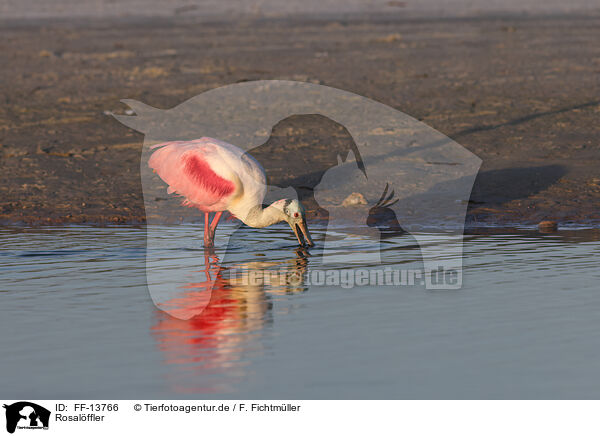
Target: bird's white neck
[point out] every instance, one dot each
(258, 217)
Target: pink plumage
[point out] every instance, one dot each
(195, 170)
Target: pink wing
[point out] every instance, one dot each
(197, 171)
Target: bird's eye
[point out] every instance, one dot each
(295, 214)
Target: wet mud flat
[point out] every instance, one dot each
(522, 93)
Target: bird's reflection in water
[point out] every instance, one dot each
(209, 352)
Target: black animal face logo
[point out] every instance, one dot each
(26, 414)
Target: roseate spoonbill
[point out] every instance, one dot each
(215, 176)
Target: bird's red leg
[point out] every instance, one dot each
(213, 225)
(207, 238)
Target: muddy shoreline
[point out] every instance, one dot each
(519, 92)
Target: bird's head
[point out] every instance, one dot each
(295, 215)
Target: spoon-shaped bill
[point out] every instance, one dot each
(302, 234)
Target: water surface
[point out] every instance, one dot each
(77, 320)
